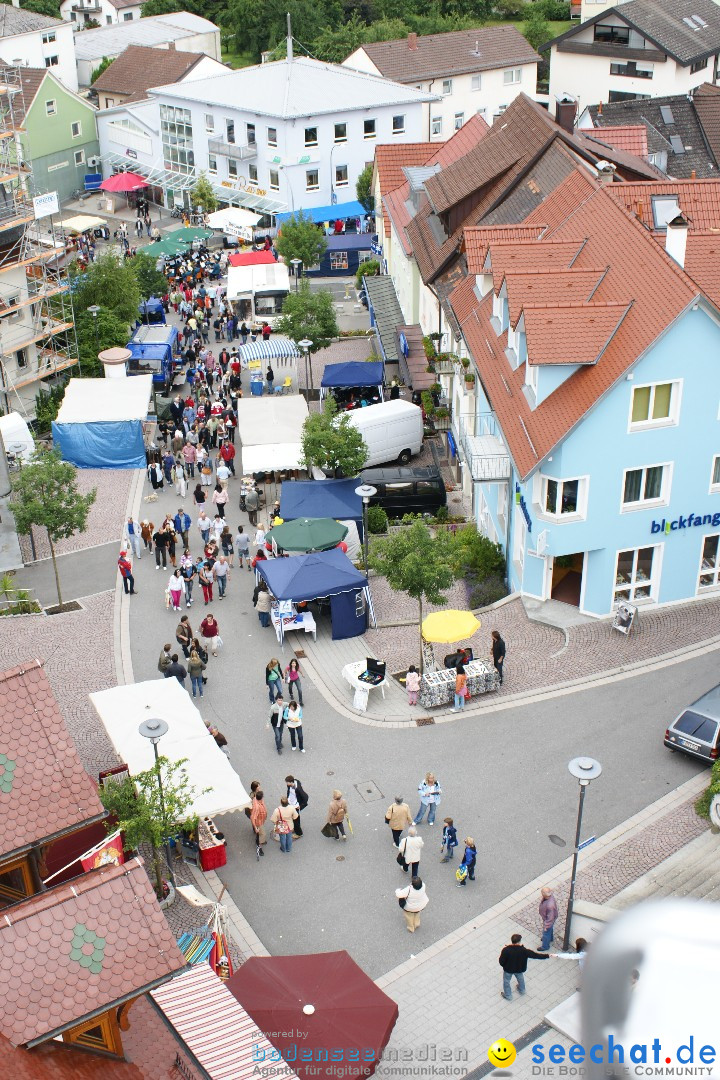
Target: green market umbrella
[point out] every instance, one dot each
(308, 534)
(178, 241)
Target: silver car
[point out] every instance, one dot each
(696, 731)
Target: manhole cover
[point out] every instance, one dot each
(369, 791)
(330, 772)
(555, 839)
(423, 721)
(339, 858)
(300, 654)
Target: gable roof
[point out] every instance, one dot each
(44, 789)
(699, 201)
(666, 120)
(155, 30)
(433, 56)
(15, 20)
(663, 22)
(629, 137)
(390, 159)
(706, 99)
(641, 294)
(140, 66)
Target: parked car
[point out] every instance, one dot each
(407, 491)
(392, 430)
(696, 731)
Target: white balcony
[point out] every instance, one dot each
(482, 447)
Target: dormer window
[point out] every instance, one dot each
(500, 313)
(531, 377)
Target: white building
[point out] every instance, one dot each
(106, 12)
(296, 133)
(472, 71)
(639, 49)
(36, 41)
(181, 31)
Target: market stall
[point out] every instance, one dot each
(354, 384)
(438, 687)
(257, 291)
(364, 676)
(100, 426)
(270, 432)
(235, 222)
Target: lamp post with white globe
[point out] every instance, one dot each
(584, 769)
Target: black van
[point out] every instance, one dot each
(406, 491)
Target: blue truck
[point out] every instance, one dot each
(155, 351)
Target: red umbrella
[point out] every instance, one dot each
(124, 181)
(328, 998)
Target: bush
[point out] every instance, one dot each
(554, 10)
(377, 520)
(488, 592)
(369, 268)
(47, 406)
(478, 557)
(511, 9)
(702, 806)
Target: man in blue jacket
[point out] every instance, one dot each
(182, 522)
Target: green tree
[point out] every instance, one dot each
(300, 238)
(109, 282)
(363, 188)
(536, 29)
(95, 334)
(47, 406)
(45, 493)
(202, 195)
(151, 281)
(162, 7)
(417, 563)
(332, 443)
(102, 66)
(51, 8)
(309, 315)
(366, 269)
(335, 43)
(138, 809)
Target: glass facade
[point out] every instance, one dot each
(176, 130)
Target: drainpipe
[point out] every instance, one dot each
(430, 112)
(507, 530)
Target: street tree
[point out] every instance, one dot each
(300, 238)
(110, 282)
(309, 315)
(363, 189)
(332, 443)
(151, 281)
(94, 334)
(102, 66)
(146, 817)
(417, 563)
(203, 196)
(45, 493)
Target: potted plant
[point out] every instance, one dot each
(469, 381)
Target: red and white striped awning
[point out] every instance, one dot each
(214, 1026)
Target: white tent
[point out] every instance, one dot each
(16, 436)
(99, 425)
(270, 430)
(81, 223)
(234, 221)
(123, 708)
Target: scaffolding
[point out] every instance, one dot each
(37, 328)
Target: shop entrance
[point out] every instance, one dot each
(567, 578)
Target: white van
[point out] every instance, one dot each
(392, 430)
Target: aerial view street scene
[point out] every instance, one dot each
(359, 539)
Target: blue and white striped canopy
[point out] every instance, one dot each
(269, 350)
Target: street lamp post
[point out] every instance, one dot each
(296, 264)
(154, 729)
(584, 769)
(306, 345)
(366, 492)
(95, 310)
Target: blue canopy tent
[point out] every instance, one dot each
(322, 498)
(354, 375)
(321, 574)
(327, 213)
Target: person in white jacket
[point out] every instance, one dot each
(176, 588)
(416, 899)
(410, 848)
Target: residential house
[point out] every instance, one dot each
(473, 71)
(639, 49)
(290, 135)
(180, 30)
(105, 12)
(37, 41)
(139, 67)
(60, 137)
(588, 333)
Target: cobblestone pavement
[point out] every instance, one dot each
(105, 520)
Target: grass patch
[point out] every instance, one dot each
(235, 59)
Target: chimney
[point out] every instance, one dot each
(412, 42)
(605, 171)
(114, 362)
(599, 109)
(171, 46)
(693, 175)
(565, 112)
(639, 213)
(676, 239)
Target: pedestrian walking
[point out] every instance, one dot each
(273, 679)
(203, 654)
(298, 798)
(283, 818)
(277, 721)
(258, 817)
(270, 379)
(413, 899)
(176, 589)
(398, 817)
(211, 632)
(195, 670)
(206, 578)
(221, 573)
(293, 719)
(165, 659)
(262, 601)
(337, 810)
(146, 532)
(171, 540)
(412, 684)
(513, 960)
(175, 669)
(204, 525)
(292, 678)
(199, 496)
(410, 849)
(220, 739)
(498, 653)
(125, 567)
(466, 869)
(220, 498)
(430, 798)
(182, 522)
(548, 911)
(189, 573)
(242, 547)
(184, 635)
(252, 503)
(449, 840)
(228, 545)
(161, 540)
(461, 690)
(131, 535)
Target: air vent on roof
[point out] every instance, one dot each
(694, 22)
(666, 113)
(677, 144)
(476, 50)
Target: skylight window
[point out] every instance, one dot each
(667, 115)
(677, 144)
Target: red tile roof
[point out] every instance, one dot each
(640, 275)
(629, 137)
(513, 256)
(564, 200)
(549, 287)
(73, 951)
(702, 262)
(477, 238)
(699, 200)
(389, 162)
(571, 333)
(462, 142)
(706, 99)
(44, 790)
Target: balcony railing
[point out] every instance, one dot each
(241, 151)
(482, 446)
(90, 8)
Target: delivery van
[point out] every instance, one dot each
(392, 430)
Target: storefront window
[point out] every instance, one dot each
(709, 569)
(634, 574)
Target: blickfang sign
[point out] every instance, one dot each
(691, 521)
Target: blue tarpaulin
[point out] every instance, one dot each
(358, 373)
(321, 498)
(108, 444)
(328, 213)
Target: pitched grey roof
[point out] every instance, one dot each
(18, 21)
(455, 53)
(157, 30)
(687, 30)
(388, 313)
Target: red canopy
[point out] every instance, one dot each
(124, 181)
(251, 258)
(327, 997)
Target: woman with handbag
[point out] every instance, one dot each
(461, 690)
(273, 679)
(412, 900)
(336, 817)
(282, 818)
(410, 848)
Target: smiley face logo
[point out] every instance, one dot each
(501, 1053)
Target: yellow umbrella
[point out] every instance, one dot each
(450, 626)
